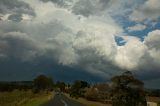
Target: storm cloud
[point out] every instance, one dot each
(77, 35)
(15, 9)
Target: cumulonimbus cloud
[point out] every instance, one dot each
(78, 36)
(15, 10)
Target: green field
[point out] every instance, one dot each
(23, 98)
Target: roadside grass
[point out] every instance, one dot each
(86, 102)
(24, 98)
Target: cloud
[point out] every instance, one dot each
(15, 9)
(60, 35)
(17, 45)
(130, 53)
(96, 48)
(147, 11)
(82, 7)
(62, 3)
(122, 8)
(90, 7)
(77, 34)
(140, 57)
(152, 42)
(137, 27)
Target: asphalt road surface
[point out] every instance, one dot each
(61, 100)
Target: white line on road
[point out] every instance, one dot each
(65, 104)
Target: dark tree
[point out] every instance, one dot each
(77, 89)
(127, 91)
(61, 86)
(42, 83)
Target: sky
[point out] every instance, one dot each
(91, 40)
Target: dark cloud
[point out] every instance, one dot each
(90, 7)
(18, 46)
(61, 3)
(57, 46)
(27, 71)
(57, 42)
(82, 7)
(16, 9)
(15, 17)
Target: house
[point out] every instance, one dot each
(152, 101)
(152, 104)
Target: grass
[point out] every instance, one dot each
(88, 103)
(23, 98)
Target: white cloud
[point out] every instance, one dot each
(153, 40)
(140, 56)
(69, 39)
(137, 27)
(150, 10)
(80, 40)
(122, 7)
(153, 43)
(128, 56)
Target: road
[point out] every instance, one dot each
(61, 100)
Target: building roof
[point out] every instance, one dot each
(153, 99)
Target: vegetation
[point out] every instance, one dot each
(77, 89)
(26, 93)
(87, 102)
(60, 86)
(23, 98)
(153, 92)
(127, 91)
(10, 86)
(42, 83)
(98, 92)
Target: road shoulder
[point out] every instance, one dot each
(86, 102)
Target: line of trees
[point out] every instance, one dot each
(10, 86)
(124, 90)
(40, 83)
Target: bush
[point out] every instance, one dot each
(91, 94)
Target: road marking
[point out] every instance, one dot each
(65, 104)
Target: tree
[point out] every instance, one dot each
(127, 91)
(98, 92)
(103, 91)
(84, 84)
(61, 86)
(42, 83)
(92, 94)
(77, 89)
